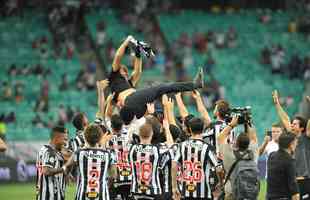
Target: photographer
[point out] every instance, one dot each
(271, 141)
(245, 148)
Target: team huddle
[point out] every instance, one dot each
(136, 148)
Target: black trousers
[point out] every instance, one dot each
(137, 101)
(123, 191)
(304, 188)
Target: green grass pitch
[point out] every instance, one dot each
(27, 191)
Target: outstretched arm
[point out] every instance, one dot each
(226, 131)
(285, 119)
(101, 85)
(201, 107)
(108, 107)
(182, 108)
(116, 65)
(137, 71)
(3, 146)
(262, 148)
(169, 108)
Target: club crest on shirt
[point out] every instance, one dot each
(92, 194)
(190, 187)
(51, 160)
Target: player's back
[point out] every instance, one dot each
(146, 161)
(195, 160)
(120, 145)
(93, 165)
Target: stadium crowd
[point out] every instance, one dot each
(138, 149)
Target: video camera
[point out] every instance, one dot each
(244, 115)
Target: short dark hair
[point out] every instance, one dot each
(243, 142)
(127, 114)
(93, 134)
(78, 121)
(196, 125)
(285, 140)
(222, 107)
(302, 122)
(116, 122)
(58, 130)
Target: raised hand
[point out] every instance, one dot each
(164, 100)
(150, 108)
(275, 97)
(195, 94)
(103, 83)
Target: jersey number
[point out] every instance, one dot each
(94, 176)
(192, 171)
(144, 171)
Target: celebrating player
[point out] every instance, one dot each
(93, 164)
(50, 170)
(193, 161)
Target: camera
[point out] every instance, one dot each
(141, 47)
(244, 115)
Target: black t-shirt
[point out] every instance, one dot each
(118, 83)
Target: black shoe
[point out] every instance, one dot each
(199, 79)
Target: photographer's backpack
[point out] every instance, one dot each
(244, 177)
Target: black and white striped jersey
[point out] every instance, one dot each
(93, 165)
(146, 162)
(77, 142)
(120, 145)
(195, 160)
(165, 173)
(209, 135)
(50, 187)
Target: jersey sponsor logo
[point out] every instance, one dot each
(191, 187)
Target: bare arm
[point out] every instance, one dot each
(175, 191)
(182, 108)
(252, 134)
(285, 119)
(169, 108)
(262, 148)
(116, 65)
(226, 131)
(3, 146)
(137, 71)
(201, 107)
(109, 107)
(101, 85)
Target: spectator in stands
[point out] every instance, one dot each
(246, 145)
(219, 40)
(62, 114)
(306, 67)
(209, 63)
(6, 91)
(231, 37)
(64, 85)
(10, 118)
(70, 113)
(277, 59)
(265, 56)
(12, 70)
(295, 67)
(19, 91)
(2, 128)
(281, 175)
(80, 80)
(101, 35)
